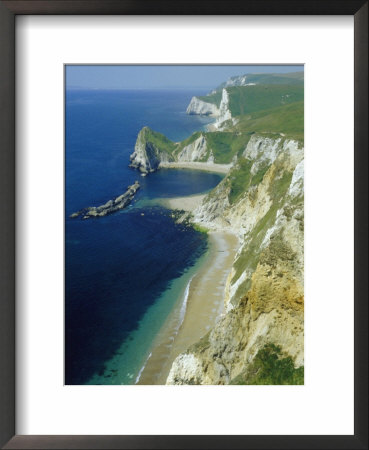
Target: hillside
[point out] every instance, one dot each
(287, 120)
(261, 200)
(293, 78)
(248, 99)
(263, 78)
(258, 136)
(225, 144)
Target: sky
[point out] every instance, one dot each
(160, 77)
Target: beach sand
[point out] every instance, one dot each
(189, 203)
(205, 302)
(204, 166)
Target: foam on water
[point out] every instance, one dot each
(184, 304)
(142, 369)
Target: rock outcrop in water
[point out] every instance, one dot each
(151, 149)
(109, 207)
(261, 200)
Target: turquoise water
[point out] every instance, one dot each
(125, 272)
(129, 360)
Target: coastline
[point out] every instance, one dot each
(196, 311)
(204, 166)
(188, 203)
(166, 293)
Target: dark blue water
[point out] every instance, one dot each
(117, 267)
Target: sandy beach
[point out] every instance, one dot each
(204, 166)
(197, 309)
(189, 203)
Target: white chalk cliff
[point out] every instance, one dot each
(147, 155)
(201, 107)
(264, 293)
(222, 114)
(194, 151)
(224, 111)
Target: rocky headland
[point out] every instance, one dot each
(151, 149)
(110, 206)
(200, 107)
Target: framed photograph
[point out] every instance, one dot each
(184, 238)
(211, 191)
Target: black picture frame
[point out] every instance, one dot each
(8, 11)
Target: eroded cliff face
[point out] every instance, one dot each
(224, 111)
(197, 106)
(194, 151)
(147, 154)
(242, 80)
(261, 200)
(154, 150)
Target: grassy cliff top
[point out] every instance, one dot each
(158, 139)
(181, 145)
(248, 99)
(215, 98)
(276, 78)
(271, 110)
(267, 78)
(263, 79)
(226, 145)
(287, 119)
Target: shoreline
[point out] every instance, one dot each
(204, 166)
(188, 203)
(196, 311)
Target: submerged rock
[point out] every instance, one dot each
(109, 207)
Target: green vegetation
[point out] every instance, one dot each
(270, 78)
(287, 119)
(250, 255)
(214, 98)
(276, 78)
(200, 345)
(239, 179)
(280, 186)
(271, 366)
(159, 140)
(258, 177)
(276, 252)
(200, 229)
(225, 145)
(269, 110)
(248, 99)
(187, 141)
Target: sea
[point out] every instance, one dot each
(124, 273)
